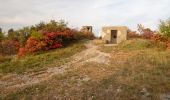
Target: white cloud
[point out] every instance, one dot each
(18, 13)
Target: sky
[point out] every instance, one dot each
(97, 13)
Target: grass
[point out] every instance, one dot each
(137, 65)
(146, 67)
(27, 93)
(39, 61)
(135, 45)
(141, 44)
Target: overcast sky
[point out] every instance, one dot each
(18, 13)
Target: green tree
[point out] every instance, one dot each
(37, 35)
(1, 35)
(40, 26)
(24, 33)
(54, 26)
(164, 27)
(12, 34)
(0, 30)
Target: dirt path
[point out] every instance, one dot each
(91, 54)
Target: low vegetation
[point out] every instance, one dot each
(34, 47)
(40, 37)
(40, 60)
(137, 70)
(136, 44)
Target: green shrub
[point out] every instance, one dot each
(164, 27)
(36, 35)
(40, 60)
(141, 44)
(1, 36)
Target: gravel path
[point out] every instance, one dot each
(91, 54)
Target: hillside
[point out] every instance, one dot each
(136, 69)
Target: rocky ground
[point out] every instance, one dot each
(91, 54)
(91, 74)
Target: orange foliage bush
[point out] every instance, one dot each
(34, 45)
(21, 52)
(147, 34)
(168, 46)
(158, 38)
(49, 41)
(133, 34)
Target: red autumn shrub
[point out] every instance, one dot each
(63, 35)
(158, 38)
(21, 52)
(57, 45)
(147, 34)
(49, 41)
(132, 34)
(168, 46)
(9, 47)
(34, 45)
(154, 36)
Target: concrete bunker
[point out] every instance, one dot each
(114, 34)
(87, 29)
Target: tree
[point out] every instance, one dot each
(146, 33)
(164, 27)
(0, 30)
(10, 31)
(11, 34)
(54, 26)
(23, 35)
(140, 28)
(40, 26)
(1, 34)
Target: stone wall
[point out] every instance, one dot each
(86, 29)
(121, 33)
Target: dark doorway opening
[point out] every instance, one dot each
(114, 36)
(88, 29)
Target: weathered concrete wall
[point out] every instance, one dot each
(121, 33)
(87, 29)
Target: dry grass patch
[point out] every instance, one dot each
(40, 61)
(141, 73)
(98, 42)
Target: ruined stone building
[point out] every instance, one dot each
(114, 34)
(87, 29)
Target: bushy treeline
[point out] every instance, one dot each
(40, 37)
(163, 35)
